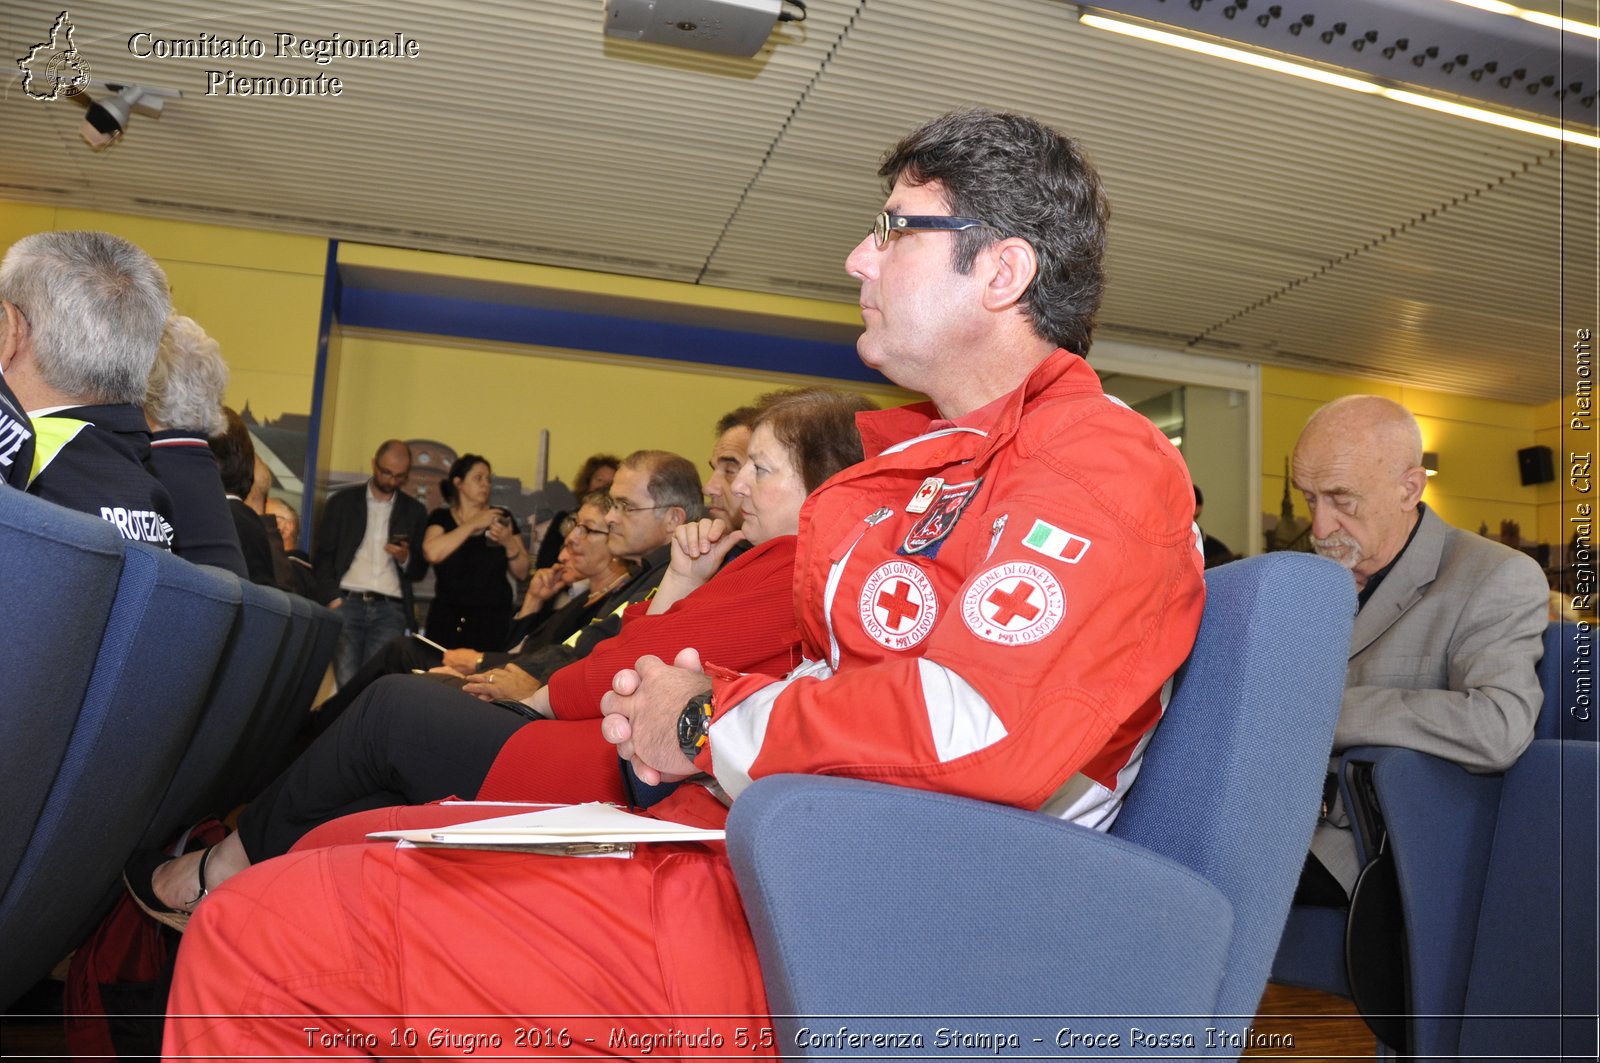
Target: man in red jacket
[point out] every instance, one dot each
(992, 604)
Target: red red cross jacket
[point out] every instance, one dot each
(992, 607)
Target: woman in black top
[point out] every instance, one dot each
(471, 546)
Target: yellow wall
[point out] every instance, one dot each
(258, 294)
(1477, 441)
(494, 400)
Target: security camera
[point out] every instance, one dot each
(729, 27)
(107, 119)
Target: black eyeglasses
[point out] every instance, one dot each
(886, 223)
(623, 506)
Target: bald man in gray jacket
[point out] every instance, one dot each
(1450, 625)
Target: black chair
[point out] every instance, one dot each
(1312, 952)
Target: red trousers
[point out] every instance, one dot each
(370, 949)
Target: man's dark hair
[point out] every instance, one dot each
(1022, 179)
(673, 480)
(235, 454)
(818, 426)
(743, 417)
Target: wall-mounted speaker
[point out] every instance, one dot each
(1536, 465)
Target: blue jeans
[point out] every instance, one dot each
(368, 626)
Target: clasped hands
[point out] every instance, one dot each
(642, 710)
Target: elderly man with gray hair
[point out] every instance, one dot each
(183, 405)
(84, 312)
(1449, 626)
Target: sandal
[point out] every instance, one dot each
(139, 877)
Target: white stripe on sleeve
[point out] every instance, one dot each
(961, 720)
(737, 734)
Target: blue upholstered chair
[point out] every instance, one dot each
(1567, 674)
(869, 900)
(239, 689)
(270, 741)
(1497, 891)
(58, 575)
(165, 634)
(1531, 989)
(1312, 953)
(268, 731)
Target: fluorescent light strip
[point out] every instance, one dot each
(1555, 22)
(1343, 81)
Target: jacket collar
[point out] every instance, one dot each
(1403, 587)
(119, 417)
(660, 557)
(1061, 371)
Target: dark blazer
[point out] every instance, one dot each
(344, 522)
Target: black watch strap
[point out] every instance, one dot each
(692, 725)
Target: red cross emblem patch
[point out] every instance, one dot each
(1013, 604)
(898, 605)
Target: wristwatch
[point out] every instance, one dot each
(692, 724)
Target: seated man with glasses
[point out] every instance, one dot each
(992, 604)
(653, 493)
(560, 600)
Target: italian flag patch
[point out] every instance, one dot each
(1052, 541)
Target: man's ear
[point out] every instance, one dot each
(1413, 481)
(14, 331)
(1013, 265)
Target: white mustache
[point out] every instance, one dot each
(1339, 548)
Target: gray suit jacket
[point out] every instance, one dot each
(1443, 660)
